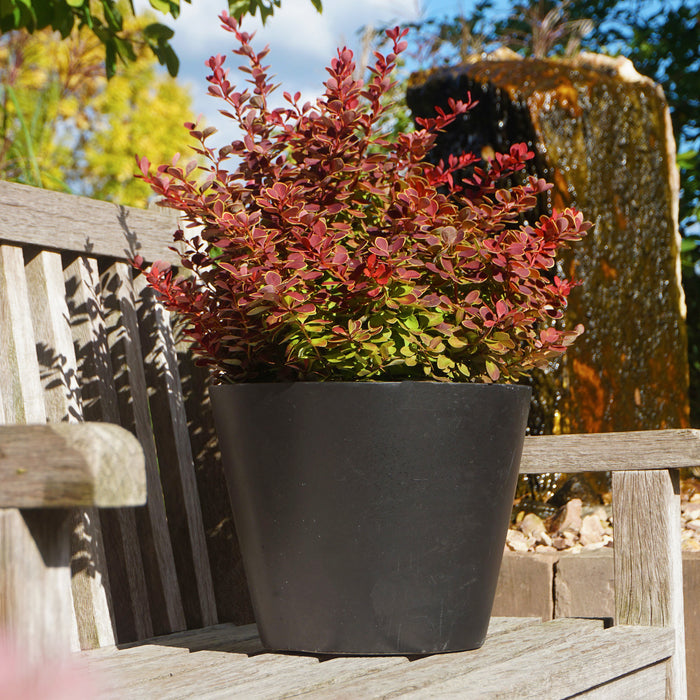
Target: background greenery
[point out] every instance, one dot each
(108, 21)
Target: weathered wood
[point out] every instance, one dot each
(70, 464)
(29, 215)
(36, 611)
(521, 658)
(647, 684)
(242, 670)
(22, 392)
(165, 601)
(648, 566)
(54, 343)
(130, 609)
(63, 402)
(560, 668)
(595, 452)
(177, 476)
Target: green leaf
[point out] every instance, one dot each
(444, 362)
(110, 58)
(124, 49)
(318, 5)
(32, 173)
(76, 3)
(159, 32)
(411, 322)
(238, 8)
(165, 7)
(167, 55)
(687, 159)
(455, 342)
(113, 16)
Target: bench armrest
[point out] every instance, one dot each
(601, 452)
(70, 464)
(646, 519)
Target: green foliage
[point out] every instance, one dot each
(333, 252)
(64, 126)
(105, 19)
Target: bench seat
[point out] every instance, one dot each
(522, 657)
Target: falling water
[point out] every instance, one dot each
(601, 135)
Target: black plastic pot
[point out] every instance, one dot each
(371, 516)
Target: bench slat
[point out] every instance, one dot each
(230, 586)
(648, 566)
(54, 342)
(126, 579)
(166, 608)
(597, 452)
(177, 474)
(520, 658)
(125, 482)
(29, 215)
(19, 368)
(557, 668)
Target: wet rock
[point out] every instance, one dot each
(576, 487)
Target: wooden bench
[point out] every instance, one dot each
(144, 590)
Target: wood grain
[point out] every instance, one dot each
(520, 658)
(22, 394)
(52, 335)
(130, 611)
(638, 450)
(63, 402)
(35, 598)
(647, 684)
(70, 464)
(176, 464)
(167, 613)
(647, 555)
(36, 610)
(29, 215)
(233, 602)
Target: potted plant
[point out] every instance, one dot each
(365, 314)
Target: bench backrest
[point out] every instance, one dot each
(83, 339)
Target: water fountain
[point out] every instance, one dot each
(601, 134)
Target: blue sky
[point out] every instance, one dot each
(302, 41)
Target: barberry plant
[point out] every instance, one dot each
(319, 249)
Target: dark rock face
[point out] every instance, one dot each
(601, 134)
